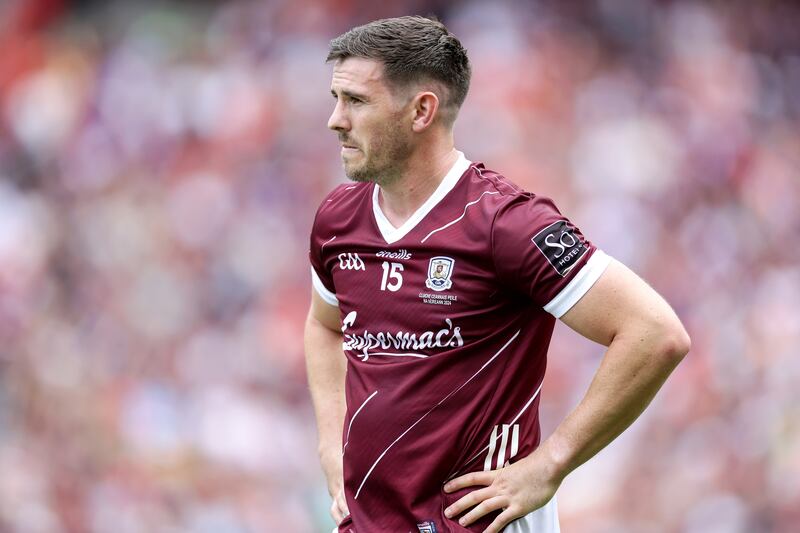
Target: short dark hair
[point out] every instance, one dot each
(411, 48)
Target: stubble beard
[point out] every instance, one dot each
(390, 153)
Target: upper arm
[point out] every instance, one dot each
(620, 303)
(324, 313)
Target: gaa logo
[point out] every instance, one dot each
(348, 261)
(559, 244)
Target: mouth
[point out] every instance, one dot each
(347, 145)
(348, 148)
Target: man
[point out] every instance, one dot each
(440, 280)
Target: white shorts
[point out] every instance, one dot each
(542, 520)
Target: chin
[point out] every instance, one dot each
(357, 173)
(358, 177)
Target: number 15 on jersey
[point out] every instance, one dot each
(392, 277)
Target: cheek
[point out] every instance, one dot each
(385, 133)
(379, 133)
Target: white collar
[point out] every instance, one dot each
(389, 232)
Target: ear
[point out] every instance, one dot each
(426, 105)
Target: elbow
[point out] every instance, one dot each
(675, 343)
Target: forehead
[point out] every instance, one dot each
(358, 74)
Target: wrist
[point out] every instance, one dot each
(558, 454)
(330, 452)
(331, 461)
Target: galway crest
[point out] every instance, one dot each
(440, 269)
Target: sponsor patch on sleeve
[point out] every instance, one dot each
(560, 245)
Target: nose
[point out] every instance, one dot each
(338, 120)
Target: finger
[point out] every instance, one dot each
(342, 504)
(339, 509)
(336, 514)
(482, 509)
(470, 480)
(502, 520)
(470, 500)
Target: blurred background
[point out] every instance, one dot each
(160, 165)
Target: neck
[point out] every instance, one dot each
(425, 171)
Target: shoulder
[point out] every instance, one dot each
(499, 196)
(343, 196)
(344, 200)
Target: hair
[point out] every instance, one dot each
(412, 49)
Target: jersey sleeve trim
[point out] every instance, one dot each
(323, 292)
(575, 289)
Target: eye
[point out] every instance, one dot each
(349, 99)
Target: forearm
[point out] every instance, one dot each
(633, 370)
(645, 342)
(326, 366)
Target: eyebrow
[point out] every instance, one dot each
(350, 94)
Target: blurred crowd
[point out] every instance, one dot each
(160, 165)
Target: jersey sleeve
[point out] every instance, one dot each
(540, 253)
(321, 277)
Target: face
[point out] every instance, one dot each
(368, 119)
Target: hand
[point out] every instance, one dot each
(331, 459)
(517, 489)
(339, 508)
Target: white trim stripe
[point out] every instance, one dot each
(403, 434)
(509, 438)
(514, 421)
(350, 425)
(393, 354)
(580, 284)
(487, 464)
(514, 441)
(327, 242)
(528, 404)
(324, 293)
(473, 202)
(501, 457)
(390, 233)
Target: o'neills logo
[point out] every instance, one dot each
(405, 343)
(400, 254)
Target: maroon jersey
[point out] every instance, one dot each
(446, 323)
